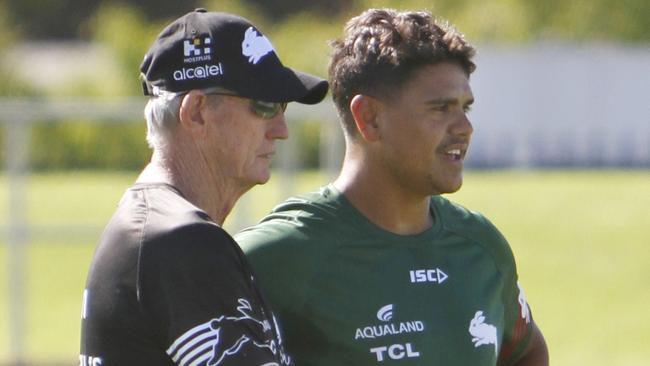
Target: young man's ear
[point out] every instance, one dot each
(364, 111)
(190, 115)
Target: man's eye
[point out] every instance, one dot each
(467, 108)
(441, 108)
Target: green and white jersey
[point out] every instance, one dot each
(350, 293)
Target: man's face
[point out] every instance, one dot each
(243, 141)
(426, 131)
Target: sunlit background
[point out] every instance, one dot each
(560, 159)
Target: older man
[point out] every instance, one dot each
(167, 285)
(377, 267)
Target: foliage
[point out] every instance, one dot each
(6, 34)
(83, 145)
(626, 20)
(10, 85)
(66, 19)
(245, 9)
(127, 33)
(299, 31)
(302, 41)
(529, 20)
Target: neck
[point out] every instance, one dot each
(383, 201)
(202, 186)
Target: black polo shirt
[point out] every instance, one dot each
(168, 286)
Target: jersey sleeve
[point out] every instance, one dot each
(201, 302)
(518, 318)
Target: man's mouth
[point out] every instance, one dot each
(455, 153)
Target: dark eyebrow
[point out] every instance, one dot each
(448, 101)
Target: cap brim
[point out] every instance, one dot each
(314, 88)
(290, 85)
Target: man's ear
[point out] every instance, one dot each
(364, 111)
(190, 115)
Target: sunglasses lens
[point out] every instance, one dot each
(267, 110)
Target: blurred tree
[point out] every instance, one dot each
(626, 20)
(242, 8)
(83, 145)
(302, 41)
(10, 85)
(529, 20)
(493, 21)
(498, 20)
(279, 9)
(50, 19)
(65, 19)
(6, 32)
(128, 35)
(300, 32)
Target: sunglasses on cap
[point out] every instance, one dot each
(266, 110)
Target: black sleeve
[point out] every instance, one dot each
(200, 300)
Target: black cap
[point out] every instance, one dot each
(205, 49)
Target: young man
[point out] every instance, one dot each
(167, 285)
(378, 268)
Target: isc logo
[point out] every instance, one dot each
(395, 352)
(428, 275)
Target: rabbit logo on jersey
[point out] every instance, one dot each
(216, 340)
(523, 304)
(483, 334)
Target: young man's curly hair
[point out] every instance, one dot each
(380, 50)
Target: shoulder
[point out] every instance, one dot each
(173, 229)
(475, 227)
(299, 233)
(296, 221)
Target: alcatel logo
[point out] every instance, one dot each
(199, 72)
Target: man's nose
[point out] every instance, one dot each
(462, 126)
(278, 129)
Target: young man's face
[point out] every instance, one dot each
(426, 131)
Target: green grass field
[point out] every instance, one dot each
(581, 240)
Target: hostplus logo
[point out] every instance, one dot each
(387, 328)
(197, 49)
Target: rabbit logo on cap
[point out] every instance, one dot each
(255, 46)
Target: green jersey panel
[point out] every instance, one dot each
(350, 293)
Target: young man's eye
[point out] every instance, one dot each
(441, 108)
(467, 108)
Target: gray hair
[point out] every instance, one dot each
(161, 114)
